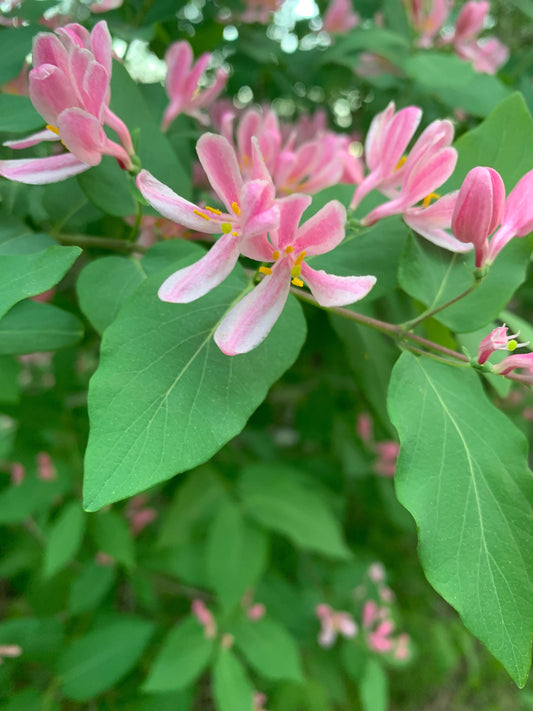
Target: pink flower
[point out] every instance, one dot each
(517, 218)
(365, 428)
(520, 360)
(9, 650)
(256, 612)
(478, 210)
(376, 572)
(486, 55)
(105, 5)
(497, 340)
(385, 464)
(259, 10)
(428, 18)
(433, 220)
(340, 17)
(138, 514)
(69, 87)
(45, 467)
(182, 84)
(250, 321)
(204, 617)
(333, 623)
(18, 473)
(251, 212)
(470, 20)
(259, 701)
(401, 648)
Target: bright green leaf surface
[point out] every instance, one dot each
(281, 499)
(165, 398)
(31, 274)
(236, 555)
(96, 662)
(64, 539)
(269, 648)
(463, 475)
(374, 687)
(31, 327)
(232, 690)
(112, 536)
(18, 115)
(108, 187)
(16, 44)
(182, 658)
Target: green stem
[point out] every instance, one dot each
(119, 245)
(408, 325)
(135, 229)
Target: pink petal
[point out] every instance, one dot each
(101, 44)
(322, 232)
(32, 140)
(179, 58)
(48, 49)
(194, 76)
(38, 171)
(428, 174)
(250, 321)
(259, 212)
(82, 134)
(51, 92)
(399, 133)
(219, 161)
(433, 221)
(291, 210)
(174, 207)
(192, 282)
(518, 209)
(95, 88)
(330, 290)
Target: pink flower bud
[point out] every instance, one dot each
(18, 472)
(204, 617)
(497, 340)
(376, 572)
(257, 611)
(45, 467)
(364, 427)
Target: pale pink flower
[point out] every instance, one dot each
(498, 340)
(259, 701)
(334, 623)
(428, 18)
(386, 594)
(340, 17)
(523, 361)
(256, 612)
(70, 88)
(251, 212)
(433, 220)
(401, 648)
(138, 514)
(486, 55)
(259, 10)
(517, 217)
(204, 617)
(385, 463)
(18, 473)
(376, 572)
(379, 640)
(250, 321)
(470, 20)
(365, 428)
(45, 467)
(183, 84)
(9, 651)
(105, 5)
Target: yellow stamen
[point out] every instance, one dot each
(400, 162)
(235, 234)
(213, 210)
(512, 345)
(296, 270)
(201, 214)
(53, 129)
(297, 282)
(300, 258)
(427, 200)
(226, 227)
(289, 249)
(265, 270)
(236, 209)
(275, 255)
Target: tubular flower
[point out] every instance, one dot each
(333, 623)
(498, 340)
(428, 18)
(250, 321)
(517, 218)
(434, 221)
(339, 17)
(478, 210)
(250, 212)
(519, 360)
(182, 84)
(69, 87)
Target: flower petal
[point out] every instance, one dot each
(219, 161)
(82, 134)
(433, 221)
(322, 232)
(39, 171)
(32, 140)
(331, 290)
(291, 211)
(190, 283)
(250, 321)
(259, 211)
(51, 92)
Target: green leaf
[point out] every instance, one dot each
(90, 587)
(434, 276)
(23, 275)
(112, 536)
(38, 637)
(104, 285)
(236, 555)
(164, 398)
(463, 475)
(182, 658)
(64, 539)
(96, 662)
(9, 385)
(232, 690)
(269, 648)
(108, 187)
(29, 497)
(16, 45)
(283, 500)
(18, 115)
(31, 327)
(374, 687)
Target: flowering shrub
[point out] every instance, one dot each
(264, 356)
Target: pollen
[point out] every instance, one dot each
(296, 270)
(265, 270)
(289, 249)
(300, 258)
(235, 234)
(400, 162)
(201, 214)
(427, 200)
(275, 255)
(297, 282)
(226, 227)
(213, 210)
(512, 345)
(53, 129)
(236, 209)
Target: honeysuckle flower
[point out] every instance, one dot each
(204, 617)
(46, 470)
(428, 18)
(486, 55)
(9, 651)
(138, 514)
(470, 20)
(523, 361)
(517, 218)
(385, 463)
(259, 10)
(434, 221)
(252, 318)
(251, 212)
(401, 648)
(340, 17)
(498, 340)
(259, 701)
(478, 210)
(69, 87)
(105, 5)
(376, 572)
(182, 84)
(388, 137)
(18, 473)
(334, 623)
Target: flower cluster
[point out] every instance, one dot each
(499, 340)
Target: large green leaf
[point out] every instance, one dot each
(96, 662)
(90, 587)
(16, 45)
(232, 689)
(182, 658)
(31, 327)
(165, 398)
(434, 276)
(374, 687)
(23, 275)
(463, 475)
(64, 539)
(108, 187)
(282, 499)
(112, 535)
(18, 115)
